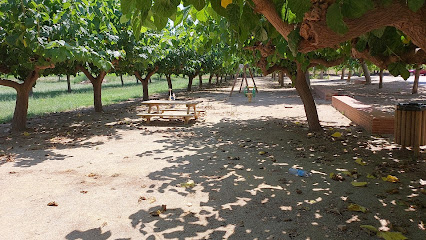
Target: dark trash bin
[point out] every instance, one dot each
(410, 125)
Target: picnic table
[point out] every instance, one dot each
(164, 110)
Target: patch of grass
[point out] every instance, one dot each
(50, 94)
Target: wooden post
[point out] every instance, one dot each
(402, 126)
(423, 129)
(417, 133)
(407, 141)
(397, 124)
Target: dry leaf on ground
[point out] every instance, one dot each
(359, 184)
(54, 204)
(390, 178)
(356, 208)
(336, 134)
(360, 162)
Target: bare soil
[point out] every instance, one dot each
(83, 175)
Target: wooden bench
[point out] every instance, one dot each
(366, 116)
(324, 92)
(197, 113)
(185, 116)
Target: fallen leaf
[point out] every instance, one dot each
(390, 178)
(371, 176)
(159, 211)
(369, 228)
(262, 152)
(356, 208)
(393, 191)
(391, 235)
(54, 204)
(360, 162)
(26, 134)
(347, 173)
(141, 199)
(189, 184)
(359, 184)
(152, 200)
(336, 134)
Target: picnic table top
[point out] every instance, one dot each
(151, 102)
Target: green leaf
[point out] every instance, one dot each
(415, 5)
(299, 7)
(391, 235)
(216, 5)
(293, 41)
(399, 68)
(127, 6)
(379, 32)
(198, 4)
(369, 228)
(361, 45)
(334, 19)
(233, 14)
(160, 22)
(143, 5)
(356, 8)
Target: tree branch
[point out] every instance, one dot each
(86, 72)
(316, 61)
(149, 75)
(316, 34)
(267, 8)
(9, 83)
(38, 68)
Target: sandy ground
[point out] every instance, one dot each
(109, 173)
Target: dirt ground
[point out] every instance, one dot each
(224, 176)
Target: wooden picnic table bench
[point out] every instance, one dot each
(186, 114)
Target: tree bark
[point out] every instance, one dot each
(200, 77)
(217, 79)
(343, 74)
(308, 79)
(19, 121)
(416, 80)
(188, 89)
(349, 76)
(68, 83)
(169, 81)
(121, 78)
(307, 99)
(210, 79)
(381, 78)
(97, 91)
(281, 78)
(321, 76)
(366, 73)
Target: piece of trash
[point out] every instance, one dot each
(299, 172)
(159, 211)
(359, 184)
(390, 178)
(54, 204)
(356, 208)
(336, 134)
(337, 177)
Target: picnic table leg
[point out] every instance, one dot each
(149, 109)
(186, 119)
(158, 108)
(195, 112)
(148, 119)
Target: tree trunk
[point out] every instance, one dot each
(188, 89)
(200, 77)
(381, 78)
(349, 76)
(137, 80)
(68, 83)
(343, 74)
(321, 76)
(281, 78)
(307, 99)
(121, 78)
(210, 79)
(416, 80)
(221, 78)
(308, 79)
(19, 121)
(97, 93)
(145, 95)
(169, 81)
(366, 73)
(217, 79)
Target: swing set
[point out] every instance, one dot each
(249, 91)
